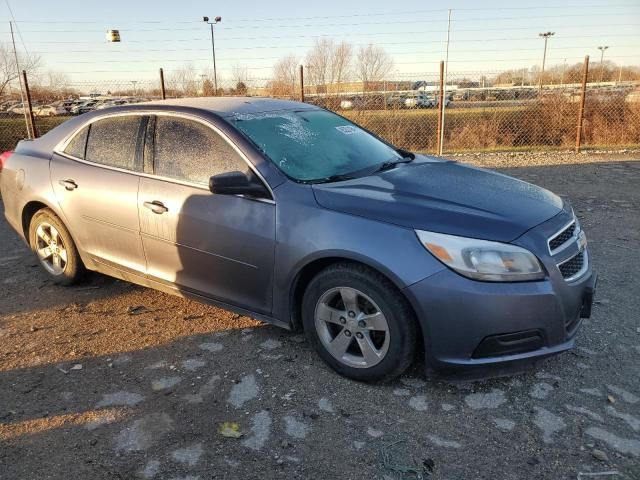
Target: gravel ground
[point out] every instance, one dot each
(108, 380)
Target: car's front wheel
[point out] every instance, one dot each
(359, 323)
(51, 242)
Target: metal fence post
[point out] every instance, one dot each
(162, 92)
(440, 106)
(583, 95)
(301, 83)
(33, 133)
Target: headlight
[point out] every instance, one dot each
(481, 259)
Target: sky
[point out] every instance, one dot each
(488, 36)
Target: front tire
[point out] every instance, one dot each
(57, 253)
(359, 323)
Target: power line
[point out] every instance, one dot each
(483, 29)
(17, 29)
(502, 39)
(582, 7)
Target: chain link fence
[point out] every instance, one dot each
(482, 111)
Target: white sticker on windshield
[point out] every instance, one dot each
(347, 129)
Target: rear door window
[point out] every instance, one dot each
(112, 141)
(78, 143)
(191, 151)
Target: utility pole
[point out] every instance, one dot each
(546, 36)
(444, 86)
(213, 50)
(602, 49)
(15, 53)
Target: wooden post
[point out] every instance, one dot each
(162, 92)
(583, 95)
(440, 107)
(33, 133)
(301, 83)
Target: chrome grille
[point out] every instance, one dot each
(572, 267)
(562, 237)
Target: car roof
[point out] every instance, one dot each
(227, 106)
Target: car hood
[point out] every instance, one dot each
(444, 196)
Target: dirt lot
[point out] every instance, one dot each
(107, 380)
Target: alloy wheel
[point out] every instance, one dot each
(50, 249)
(352, 327)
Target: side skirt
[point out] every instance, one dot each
(143, 281)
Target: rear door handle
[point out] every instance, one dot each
(68, 184)
(156, 207)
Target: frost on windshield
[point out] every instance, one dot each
(312, 144)
(294, 126)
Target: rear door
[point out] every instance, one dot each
(95, 179)
(218, 246)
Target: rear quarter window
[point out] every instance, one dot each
(112, 141)
(78, 144)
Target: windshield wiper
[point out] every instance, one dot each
(334, 178)
(392, 164)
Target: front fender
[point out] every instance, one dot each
(306, 233)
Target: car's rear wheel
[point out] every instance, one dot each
(57, 253)
(359, 323)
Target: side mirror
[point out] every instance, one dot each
(238, 183)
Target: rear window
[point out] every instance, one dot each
(77, 145)
(112, 142)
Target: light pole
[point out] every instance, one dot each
(213, 50)
(602, 49)
(546, 36)
(133, 82)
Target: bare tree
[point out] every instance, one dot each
(285, 76)
(8, 68)
(319, 62)
(50, 85)
(240, 78)
(184, 80)
(373, 64)
(341, 62)
(328, 62)
(240, 74)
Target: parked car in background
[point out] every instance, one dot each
(347, 104)
(49, 111)
(112, 103)
(395, 100)
(19, 108)
(67, 105)
(419, 99)
(296, 216)
(8, 104)
(85, 107)
(633, 96)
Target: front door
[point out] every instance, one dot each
(218, 246)
(96, 181)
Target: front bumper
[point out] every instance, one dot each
(469, 324)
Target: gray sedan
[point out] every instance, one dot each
(296, 216)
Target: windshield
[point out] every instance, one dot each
(314, 145)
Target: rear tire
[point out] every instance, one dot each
(359, 323)
(54, 248)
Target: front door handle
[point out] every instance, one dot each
(68, 184)
(156, 207)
